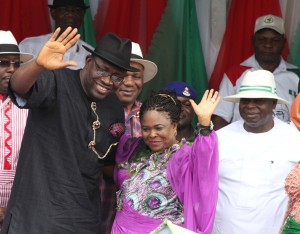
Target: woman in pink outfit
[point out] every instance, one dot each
(295, 112)
(160, 178)
(291, 223)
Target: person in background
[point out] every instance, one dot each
(291, 223)
(132, 86)
(128, 93)
(12, 119)
(65, 13)
(74, 124)
(295, 112)
(295, 109)
(161, 178)
(184, 93)
(268, 43)
(256, 154)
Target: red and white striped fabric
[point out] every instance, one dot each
(12, 125)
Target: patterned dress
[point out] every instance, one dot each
(179, 184)
(148, 190)
(292, 185)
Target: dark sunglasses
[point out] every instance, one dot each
(6, 63)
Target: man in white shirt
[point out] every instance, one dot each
(268, 43)
(256, 154)
(64, 13)
(12, 119)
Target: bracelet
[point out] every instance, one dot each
(204, 130)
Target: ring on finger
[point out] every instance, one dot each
(213, 100)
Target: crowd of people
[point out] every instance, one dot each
(80, 153)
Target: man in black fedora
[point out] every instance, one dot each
(65, 13)
(74, 124)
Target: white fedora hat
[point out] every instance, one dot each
(150, 68)
(9, 45)
(257, 84)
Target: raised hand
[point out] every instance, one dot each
(51, 55)
(206, 107)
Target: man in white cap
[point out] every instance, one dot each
(128, 93)
(12, 119)
(256, 154)
(268, 43)
(65, 13)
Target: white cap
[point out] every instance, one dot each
(269, 21)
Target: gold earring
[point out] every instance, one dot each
(175, 133)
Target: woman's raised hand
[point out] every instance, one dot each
(206, 107)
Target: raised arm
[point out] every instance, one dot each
(51, 57)
(193, 171)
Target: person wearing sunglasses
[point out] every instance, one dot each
(12, 119)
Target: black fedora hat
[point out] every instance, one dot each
(114, 50)
(59, 3)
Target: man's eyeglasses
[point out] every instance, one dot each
(113, 77)
(6, 63)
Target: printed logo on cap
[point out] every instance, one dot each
(186, 91)
(269, 20)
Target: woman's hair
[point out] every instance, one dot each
(164, 101)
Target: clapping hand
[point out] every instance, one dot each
(206, 107)
(51, 55)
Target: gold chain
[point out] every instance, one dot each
(96, 125)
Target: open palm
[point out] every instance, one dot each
(206, 107)
(51, 56)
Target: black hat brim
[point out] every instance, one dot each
(59, 5)
(111, 60)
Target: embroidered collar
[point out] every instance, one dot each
(151, 161)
